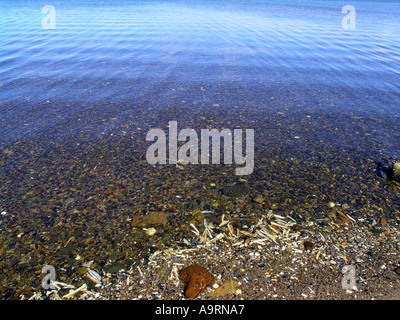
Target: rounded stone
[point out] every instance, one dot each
(396, 170)
(236, 191)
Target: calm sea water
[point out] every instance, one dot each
(266, 55)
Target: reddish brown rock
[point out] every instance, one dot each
(196, 278)
(308, 245)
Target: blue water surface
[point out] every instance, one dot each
(288, 55)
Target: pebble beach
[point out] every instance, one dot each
(284, 232)
(85, 216)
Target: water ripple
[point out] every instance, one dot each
(98, 52)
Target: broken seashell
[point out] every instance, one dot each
(94, 276)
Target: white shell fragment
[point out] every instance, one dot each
(94, 276)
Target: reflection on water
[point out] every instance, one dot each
(144, 51)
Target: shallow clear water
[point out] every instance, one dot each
(78, 100)
(264, 55)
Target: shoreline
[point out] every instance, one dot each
(280, 270)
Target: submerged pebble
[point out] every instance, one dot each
(236, 191)
(228, 287)
(396, 171)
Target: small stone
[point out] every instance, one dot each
(151, 231)
(377, 230)
(308, 245)
(81, 271)
(28, 290)
(396, 170)
(345, 206)
(153, 219)
(236, 191)
(113, 268)
(228, 287)
(196, 278)
(259, 199)
(331, 204)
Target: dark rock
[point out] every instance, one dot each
(236, 191)
(68, 250)
(308, 245)
(113, 267)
